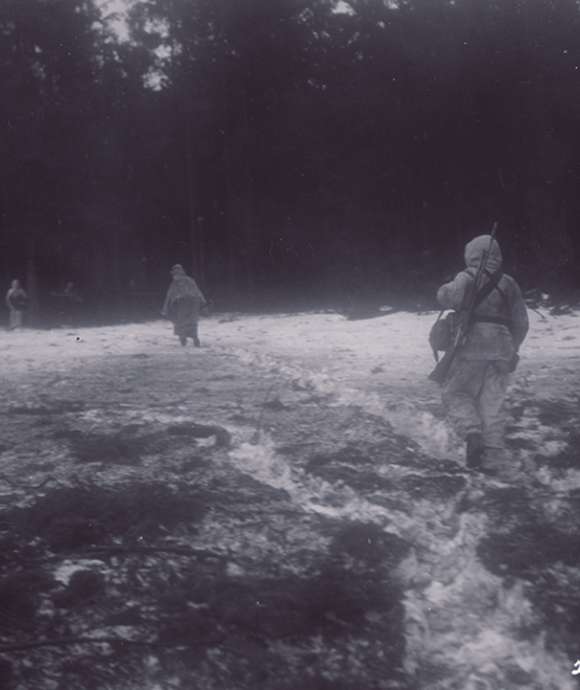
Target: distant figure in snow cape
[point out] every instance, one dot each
(475, 389)
(16, 301)
(182, 305)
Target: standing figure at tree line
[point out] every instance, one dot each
(474, 391)
(16, 301)
(182, 305)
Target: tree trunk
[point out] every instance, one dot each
(195, 236)
(31, 279)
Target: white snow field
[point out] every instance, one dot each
(380, 364)
(459, 616)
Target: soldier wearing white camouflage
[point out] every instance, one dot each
(475, 389)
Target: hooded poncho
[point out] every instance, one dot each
(488, 341)
(16, 298)
(182, 286)
(475, 250)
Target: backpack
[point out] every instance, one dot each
(442, 333)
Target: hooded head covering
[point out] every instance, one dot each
(182, 285)
(177, 270)
(475, 250)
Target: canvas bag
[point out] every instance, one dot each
(443, 331)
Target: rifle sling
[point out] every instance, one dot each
(492, 284)
(486, 290)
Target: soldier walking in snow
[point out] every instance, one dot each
(182, 305)
(475, 388)
(16, 301)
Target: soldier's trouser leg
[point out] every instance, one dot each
(15, 319)
(491, 406)
(461, 396)
(474, 397)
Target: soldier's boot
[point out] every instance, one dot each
(183, 340)
(497, 464)
(474, 450)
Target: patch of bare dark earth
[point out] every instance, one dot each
(149, 558)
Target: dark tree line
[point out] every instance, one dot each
(287, 149)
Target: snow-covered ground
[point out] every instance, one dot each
(381, 364)
(390, 350)
(473, 625)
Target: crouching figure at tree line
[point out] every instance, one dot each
(183, 304)
(494, 326)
